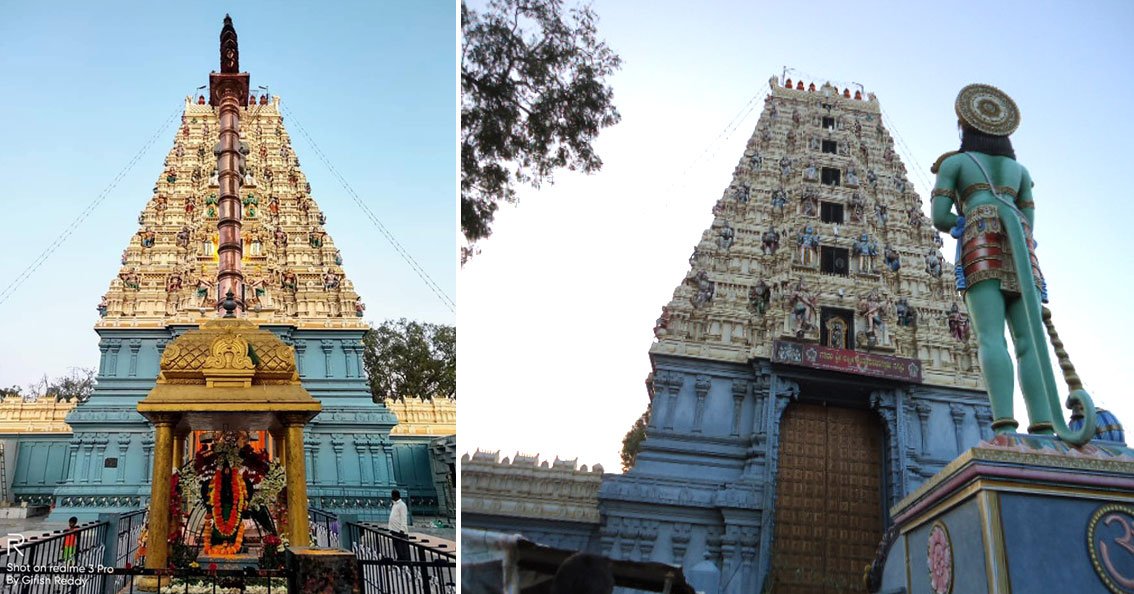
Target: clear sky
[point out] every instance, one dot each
(86, 84)
(558, 309)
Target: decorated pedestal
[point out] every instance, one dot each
(1017, 514)
(331, 571)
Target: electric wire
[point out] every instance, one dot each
(70, 229)
(409, 259)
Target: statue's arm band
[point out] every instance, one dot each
(950, 194)
(1022, 204)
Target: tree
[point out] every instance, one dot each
(407, 359)
(77, 385)
(632, 443)
(533, 99)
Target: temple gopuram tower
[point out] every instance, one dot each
(813, 367)
(287, 277)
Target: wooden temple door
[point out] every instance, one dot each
(828, 518)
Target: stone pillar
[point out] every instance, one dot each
(296, 472)
(957, 411)
(679, 542)
(179, 449)
(674, 386)
(701, 387)
(923, 411)
(157, 551)
(363, 466)
(739, 391)
(123, 445)
(328, 347)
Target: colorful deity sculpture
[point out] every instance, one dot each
(808, 242)
(997, 267)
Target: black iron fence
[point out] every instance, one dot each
(393, 563)
(65, 580)
(324, 528)
(103, 557)
(67, 553)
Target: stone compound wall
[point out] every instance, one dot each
(553, 504)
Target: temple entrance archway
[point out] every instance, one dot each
(828, 518)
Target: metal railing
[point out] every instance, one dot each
(66, 555)
(128, 531)
(58, 579)
(324, 529)
(393, 563)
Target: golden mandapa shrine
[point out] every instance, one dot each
(229, 373)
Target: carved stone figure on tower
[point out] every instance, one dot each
(758, 297)
(915, 217)
(958, 324)
(705, 289)
(770, 241)
(811, 173)
(906, 314)
(852, 176)
(933, 264)
(662, 323)
(809, 203)
(871, 308)
(803, 307)
(892, 259)
(727, 236)
(130, 279)
(808, 246)
(330, 280)
(858, 207)
(785, 166)
(779, 199)
(756, 161)
(866, 249)
(288, 281)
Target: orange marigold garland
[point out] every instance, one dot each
(222, 549)
(226, 526)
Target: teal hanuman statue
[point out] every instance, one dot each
(997, 269)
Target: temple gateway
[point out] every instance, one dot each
(232, 212)
(814, 367)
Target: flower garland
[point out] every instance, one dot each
(227, 526)
(222, 549)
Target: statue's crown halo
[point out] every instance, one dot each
(987, 109)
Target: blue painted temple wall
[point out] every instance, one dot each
(352, 463)
(704, 482)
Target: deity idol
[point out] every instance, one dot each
(997, 267)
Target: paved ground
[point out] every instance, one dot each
(28, 526)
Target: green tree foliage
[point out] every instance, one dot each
(11, 391)
(632, 443)
(78, 385)
(407, 359)
(533, 99)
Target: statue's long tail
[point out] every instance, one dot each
(1021, 257)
